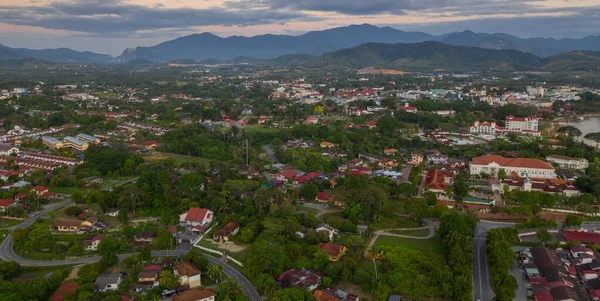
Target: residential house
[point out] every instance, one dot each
(66, 225)
(323, 197)
(334, 251)
(390, 151)
(146, 281)
(91, 243)
(407, 108)
(196, 294)
(301, 279)
(436, 181)
(514, 181)
(230, 229)
(436, 158)
(326, 144)
(7, 149)
(144, 237)
(113, 212)
(5, 203)
(311, 120)
(416, 157)
(42, 192)
(371, 124)
(331, 231)
(196, 218)
(108, 282)
(188, 274)
(66, 290)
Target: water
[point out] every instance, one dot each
(589, 125)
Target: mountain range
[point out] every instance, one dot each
(428, 56)
(206, 46)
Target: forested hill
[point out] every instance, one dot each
(426, 56)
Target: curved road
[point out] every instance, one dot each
(431, 233)
(482, 288)
(7, 253)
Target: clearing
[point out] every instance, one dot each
(432, 244)
(158, 156)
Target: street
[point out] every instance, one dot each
(482, 288)
(247, 287)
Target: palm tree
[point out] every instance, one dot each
(219, 272)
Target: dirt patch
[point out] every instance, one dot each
(232, 247)
(354, 289)
(74, 272)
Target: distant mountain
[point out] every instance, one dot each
(425, 56)
(205, 46)
(59, 55)
(584, 61)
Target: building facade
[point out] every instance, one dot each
(492, 164)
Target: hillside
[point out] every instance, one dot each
(573, 61)
(59, 55)
(426, 56)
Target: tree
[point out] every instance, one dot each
(326, 282)
(309, 191)
(460, 188)
(321, 260)
(168, 280)
(265, 257)
(572, 221)
(543, 235)
(417, 208)
(502, 174)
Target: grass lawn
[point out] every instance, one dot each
(158, 156)
(415, 244)
(307, 209)
(3, 235)
(5, 222)
(241, 255)
(419, 232)
(397, 221)
(343, 238)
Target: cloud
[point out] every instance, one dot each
(576, 23)
(398, 7)
(114, 18)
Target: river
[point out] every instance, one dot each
(588, 125)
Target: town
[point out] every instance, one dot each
(227, 182)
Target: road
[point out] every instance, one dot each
(110, 188)
(247, 287)
(482, 288)
(377, 233)
(270, 153)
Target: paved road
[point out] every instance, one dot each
(377, 233)
(110, 188)
(247, 287)
(482, 288)
(270, 153)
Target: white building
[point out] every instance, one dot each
(196, 217)
(535, 91)
(331, 231)
(568, 163)
(7, 149)
(484, 128)
(525, 125)
(492, 164)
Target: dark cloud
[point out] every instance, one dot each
(374, 7)
(113, 17)
(579, 23)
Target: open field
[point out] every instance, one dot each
(158, 156)
(416, 232)
(5, 222)
(415, 244)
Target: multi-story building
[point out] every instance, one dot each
(568, 162)
(87, 138)
(52, 142)
(524, 125)
(492, 164)
(75, 143)
(484, 128)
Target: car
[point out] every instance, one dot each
(301, 203)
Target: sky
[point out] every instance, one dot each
(110, 26)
